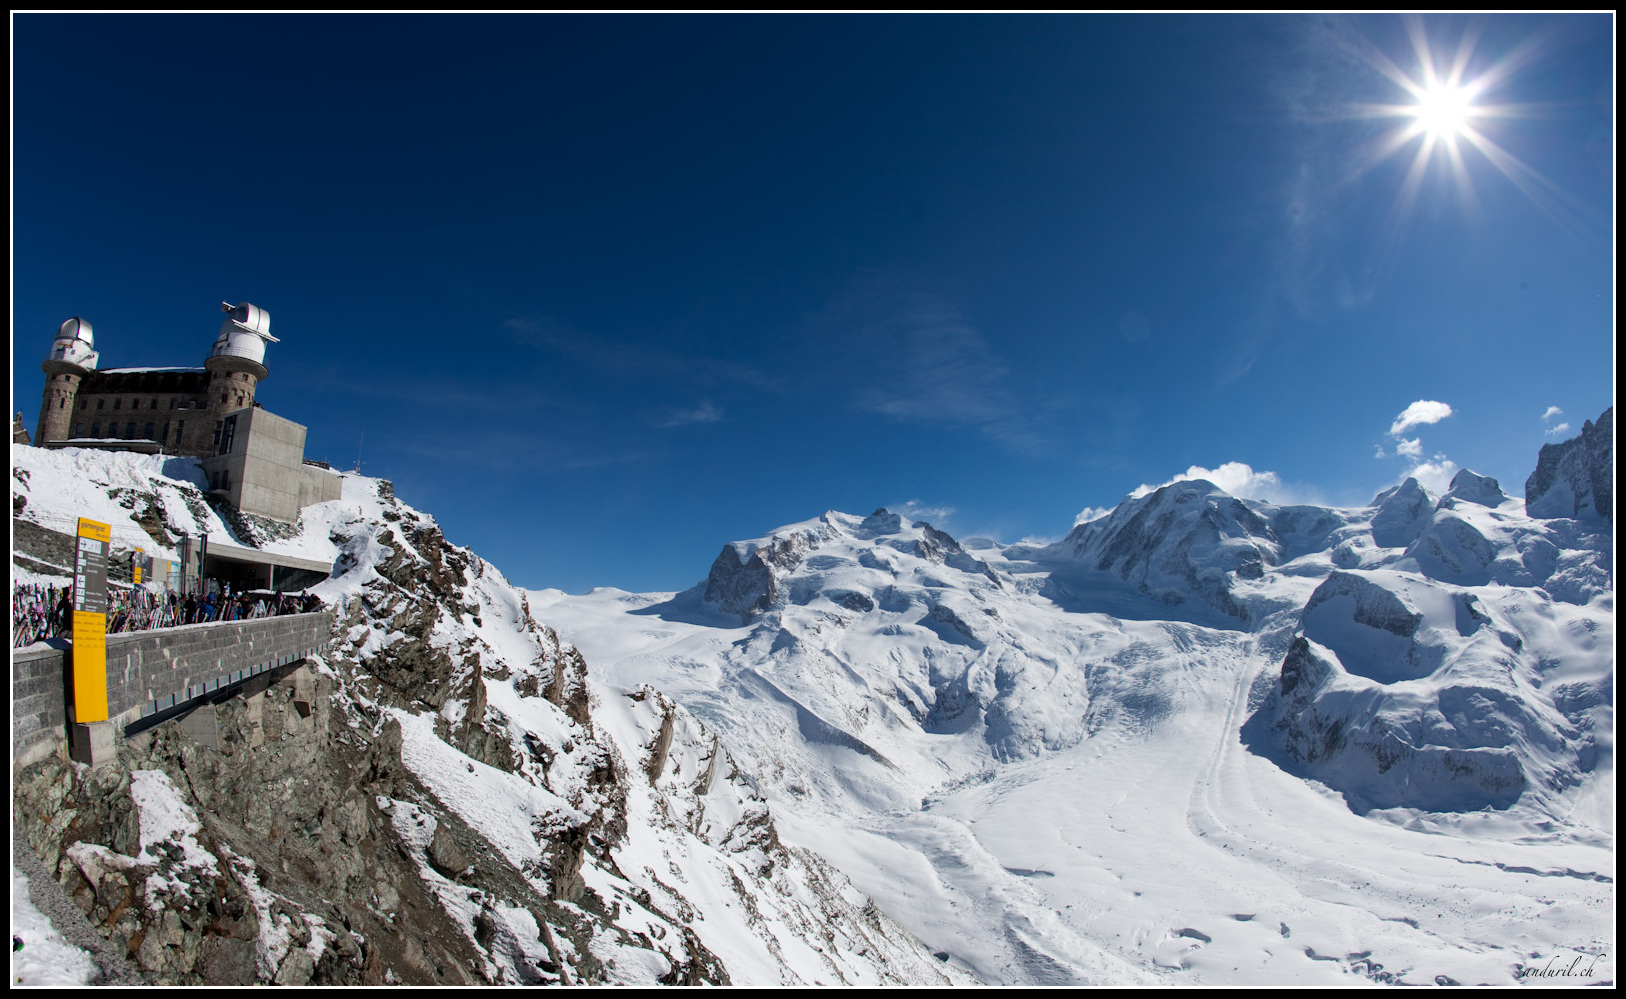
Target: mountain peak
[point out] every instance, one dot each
(1575, 478)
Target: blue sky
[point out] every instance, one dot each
(604, 293)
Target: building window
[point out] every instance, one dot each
(228, 430)
(129, 431)
(79, 430)
(149, 433)
(171, 403)
(95, 430)
(61, 402)
(180, 430)
(100, 403)
(154, 404)
(117, 402)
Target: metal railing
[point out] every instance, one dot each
(41, 612)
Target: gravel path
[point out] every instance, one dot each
(49, 898)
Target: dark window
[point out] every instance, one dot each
(79, 430)
(129, 431)
(61, 402)
(95, 430)
(100, 403)
(149, 432)
(228, 430)
(171, 403)
(154, 404)
(180, 429)
(117, 402)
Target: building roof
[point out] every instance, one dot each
(143, 371)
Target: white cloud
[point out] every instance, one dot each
(1380, 452)
(1235, 477)
(916, 510)
(1554, 431)
(1435, 474)
(1420, 412)
(1410, 448)
(1552, 411)
(703, 413)
(1090, 513)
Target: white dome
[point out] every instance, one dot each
(77, 329)
(244, 333)
(75, 343)
(251, 317)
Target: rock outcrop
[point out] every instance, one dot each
(1576, 478)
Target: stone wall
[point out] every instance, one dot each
(153, 672)
(39, 717)
(56, 402)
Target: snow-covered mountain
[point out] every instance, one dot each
(1201, 739)
(464, 804)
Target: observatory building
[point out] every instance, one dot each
(253, 459)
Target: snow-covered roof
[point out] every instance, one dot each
(147, 370)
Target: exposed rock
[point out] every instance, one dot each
(1576, 477)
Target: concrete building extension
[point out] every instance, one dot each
(253, 459)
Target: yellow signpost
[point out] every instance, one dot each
(90, 622)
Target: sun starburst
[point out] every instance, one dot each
(1444, 117)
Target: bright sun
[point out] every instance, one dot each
(1443, 109)
(1442, 115)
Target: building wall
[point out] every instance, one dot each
(57, 401)
(39, 705)
(170, 407)
(178, 408)
(264, 472)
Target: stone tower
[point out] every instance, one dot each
(73, 356)
(236, 366)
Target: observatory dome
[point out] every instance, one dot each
(244, 332)
(75, 343)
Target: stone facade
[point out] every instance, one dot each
(168, 405)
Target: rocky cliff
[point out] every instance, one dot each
(445, 797)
